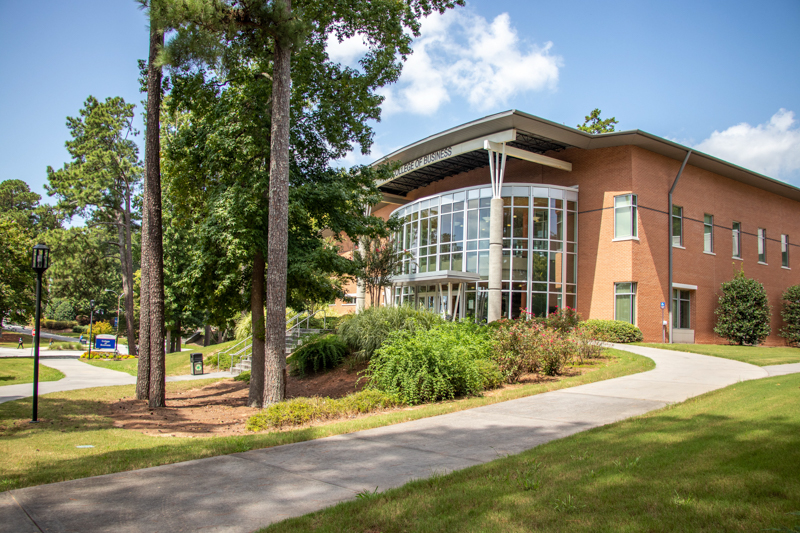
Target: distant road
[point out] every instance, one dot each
(44, 335)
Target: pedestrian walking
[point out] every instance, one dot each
(20, 345)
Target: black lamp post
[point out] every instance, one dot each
(40, 263)
(91, 320)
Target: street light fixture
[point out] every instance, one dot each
(40, 262)
(91, 320)
(116, 334)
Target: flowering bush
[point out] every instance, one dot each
(564, 320)
(106, 355)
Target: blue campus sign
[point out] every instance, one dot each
(105, 342)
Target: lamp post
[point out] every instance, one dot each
(116, 333)
(91, 319)
(40, 263)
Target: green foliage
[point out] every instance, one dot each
(790, 312)
(17, 280)
(58, 324)
(490, 374)
(19, 203)
(365, 332)
(526, 347)
(307, 410)
(564, 320)
(612, 331)
(106, 355)
(377, 259)
(427, 365)
(244, 376)
(317, 354)
(60, 309)
(594, 124)
(743, 312)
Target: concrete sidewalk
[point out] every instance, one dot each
(242, 492)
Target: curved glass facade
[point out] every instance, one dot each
(448, 234)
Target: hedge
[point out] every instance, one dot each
(613, 330)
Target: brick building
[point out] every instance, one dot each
(512, 212)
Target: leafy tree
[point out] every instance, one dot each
(17, 279)
(101, 182)
(790, 312)
(17, 201)
(594, 124)
(743, 312)
(377, 260)
(289, 39)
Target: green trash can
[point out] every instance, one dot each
(197, 364)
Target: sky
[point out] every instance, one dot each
(720, 76)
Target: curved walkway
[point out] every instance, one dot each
(244, 491)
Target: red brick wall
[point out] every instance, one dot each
(605, 173)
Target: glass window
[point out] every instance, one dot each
(708, 233)
(625, 302)
(677, 226)
(625, 216)
(785, 251)
(737, 240)
(681, 309)
(762, 245)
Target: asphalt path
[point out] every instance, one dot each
(244, 491)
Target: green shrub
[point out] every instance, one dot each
(790, 312)
(317, 353)
(429, 365)
(612, 331)
(46, 323)
(364, 332)
(305, 410)
(490, 374)
(78, 329)
(525, 347)
(743, 312)
(244, 376)
(564, 320)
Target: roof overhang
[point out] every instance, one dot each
(428, 160)
(440, 276)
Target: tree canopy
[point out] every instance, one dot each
(594, 124)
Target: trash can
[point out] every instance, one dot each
(197, 364)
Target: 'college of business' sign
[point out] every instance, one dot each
(424, 161)
(451, 151)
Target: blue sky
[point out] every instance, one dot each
(720, 76)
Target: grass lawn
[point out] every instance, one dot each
(15, 371)
(27, 340)
(46, 453)
(755, 355)
(725, 461)
(177, 363)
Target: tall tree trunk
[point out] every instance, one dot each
(207, 335)
(127, 279)
(256, 396)
(143, 366)
(277, 243)
(169, 342)
(152, 215)
(178, 327)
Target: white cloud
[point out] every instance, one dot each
(772, 149)
(462, 54)
(347, 52)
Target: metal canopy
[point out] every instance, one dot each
(434, 172)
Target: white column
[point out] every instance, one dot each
(497, 164)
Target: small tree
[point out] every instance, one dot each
(743, 313)
(790, 312)
(377, 261)
(594, 124)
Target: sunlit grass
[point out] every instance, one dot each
(18, 370)
(177, 364)
(725, 461)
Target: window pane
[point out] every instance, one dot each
(519, 265)
(623, 308)
(507, 222)
(520, 222)
(622, 223)
(540, 223)
(684, 310)
(483, 265)
(484, 224)
(472, 224)
(539, 268)
(458, 226)
(556, 223)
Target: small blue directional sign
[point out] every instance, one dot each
(663, 305)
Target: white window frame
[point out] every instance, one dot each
(708, 229)
(631, 294)
(351, 296)
(679, 235)
(676, 307)
(762, 245)
(736, 234)
(631, 206)
(785, 251)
